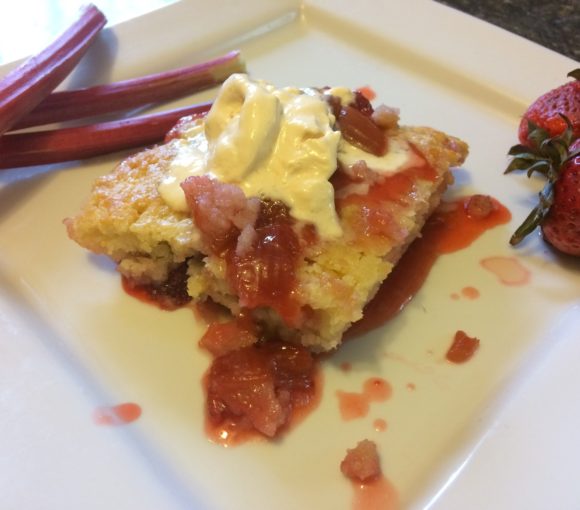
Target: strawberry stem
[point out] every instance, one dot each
(535, 218)
(546, 156)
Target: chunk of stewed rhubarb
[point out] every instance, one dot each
(257, 387)
(256, 238)
(220, 211)
(264, 274)
(362, 464)
(223, 337)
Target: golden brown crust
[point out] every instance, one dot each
(125, 217)
(441, 150)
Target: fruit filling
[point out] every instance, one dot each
(259, 387)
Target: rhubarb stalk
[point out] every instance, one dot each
(68, 144)
(123, 95)
(25, 87)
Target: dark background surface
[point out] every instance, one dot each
(551, 23)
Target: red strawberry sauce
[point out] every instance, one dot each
(508, 270)
(448, 230)
(285, 380)
(378, 494)
(357, 405)
(120, 414)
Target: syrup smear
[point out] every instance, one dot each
(121, 414)
(509, 270)
(357, 405)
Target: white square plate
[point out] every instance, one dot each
(72, 340)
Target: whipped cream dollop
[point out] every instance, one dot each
(273, 143)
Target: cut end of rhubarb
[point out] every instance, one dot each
(228, 64)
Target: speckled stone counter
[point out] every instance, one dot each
(552, 23)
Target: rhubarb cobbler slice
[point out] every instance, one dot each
(287, 206)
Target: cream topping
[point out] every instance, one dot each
(399, 156)
(274, 143)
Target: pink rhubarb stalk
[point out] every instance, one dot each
(123, 95)
(68, 144)
(25, 87)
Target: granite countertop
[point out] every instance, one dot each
(551, 23)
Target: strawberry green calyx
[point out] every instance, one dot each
(547, 156)
(575, 74)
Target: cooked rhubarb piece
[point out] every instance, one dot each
(258, 387)
(362, 463)
(27, 85)
(224, 337)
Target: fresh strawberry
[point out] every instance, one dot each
(546, 111)
(562, 224)
(558, 213)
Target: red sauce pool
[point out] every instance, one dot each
(470, 292)
(121, 414)
(377, 389)
(352, 405)
(357, 405)
(379, 494)
(169, 295)
(448, 230)
(380, 425)
(346, 366)
(463, 348)
(508, 270)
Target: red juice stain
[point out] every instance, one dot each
(378, 494)
(448, 230)
(356, 405)
(463, 348)
(470, 292)
(509, 270)
(346, 366)
(452, 228)
(380, 425)
(169, 295)
(376, 389)
(139, 292)
(352, 405)
(411, 386)
(121, 414)
(455, 296)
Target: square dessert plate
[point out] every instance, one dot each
(451, 436)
